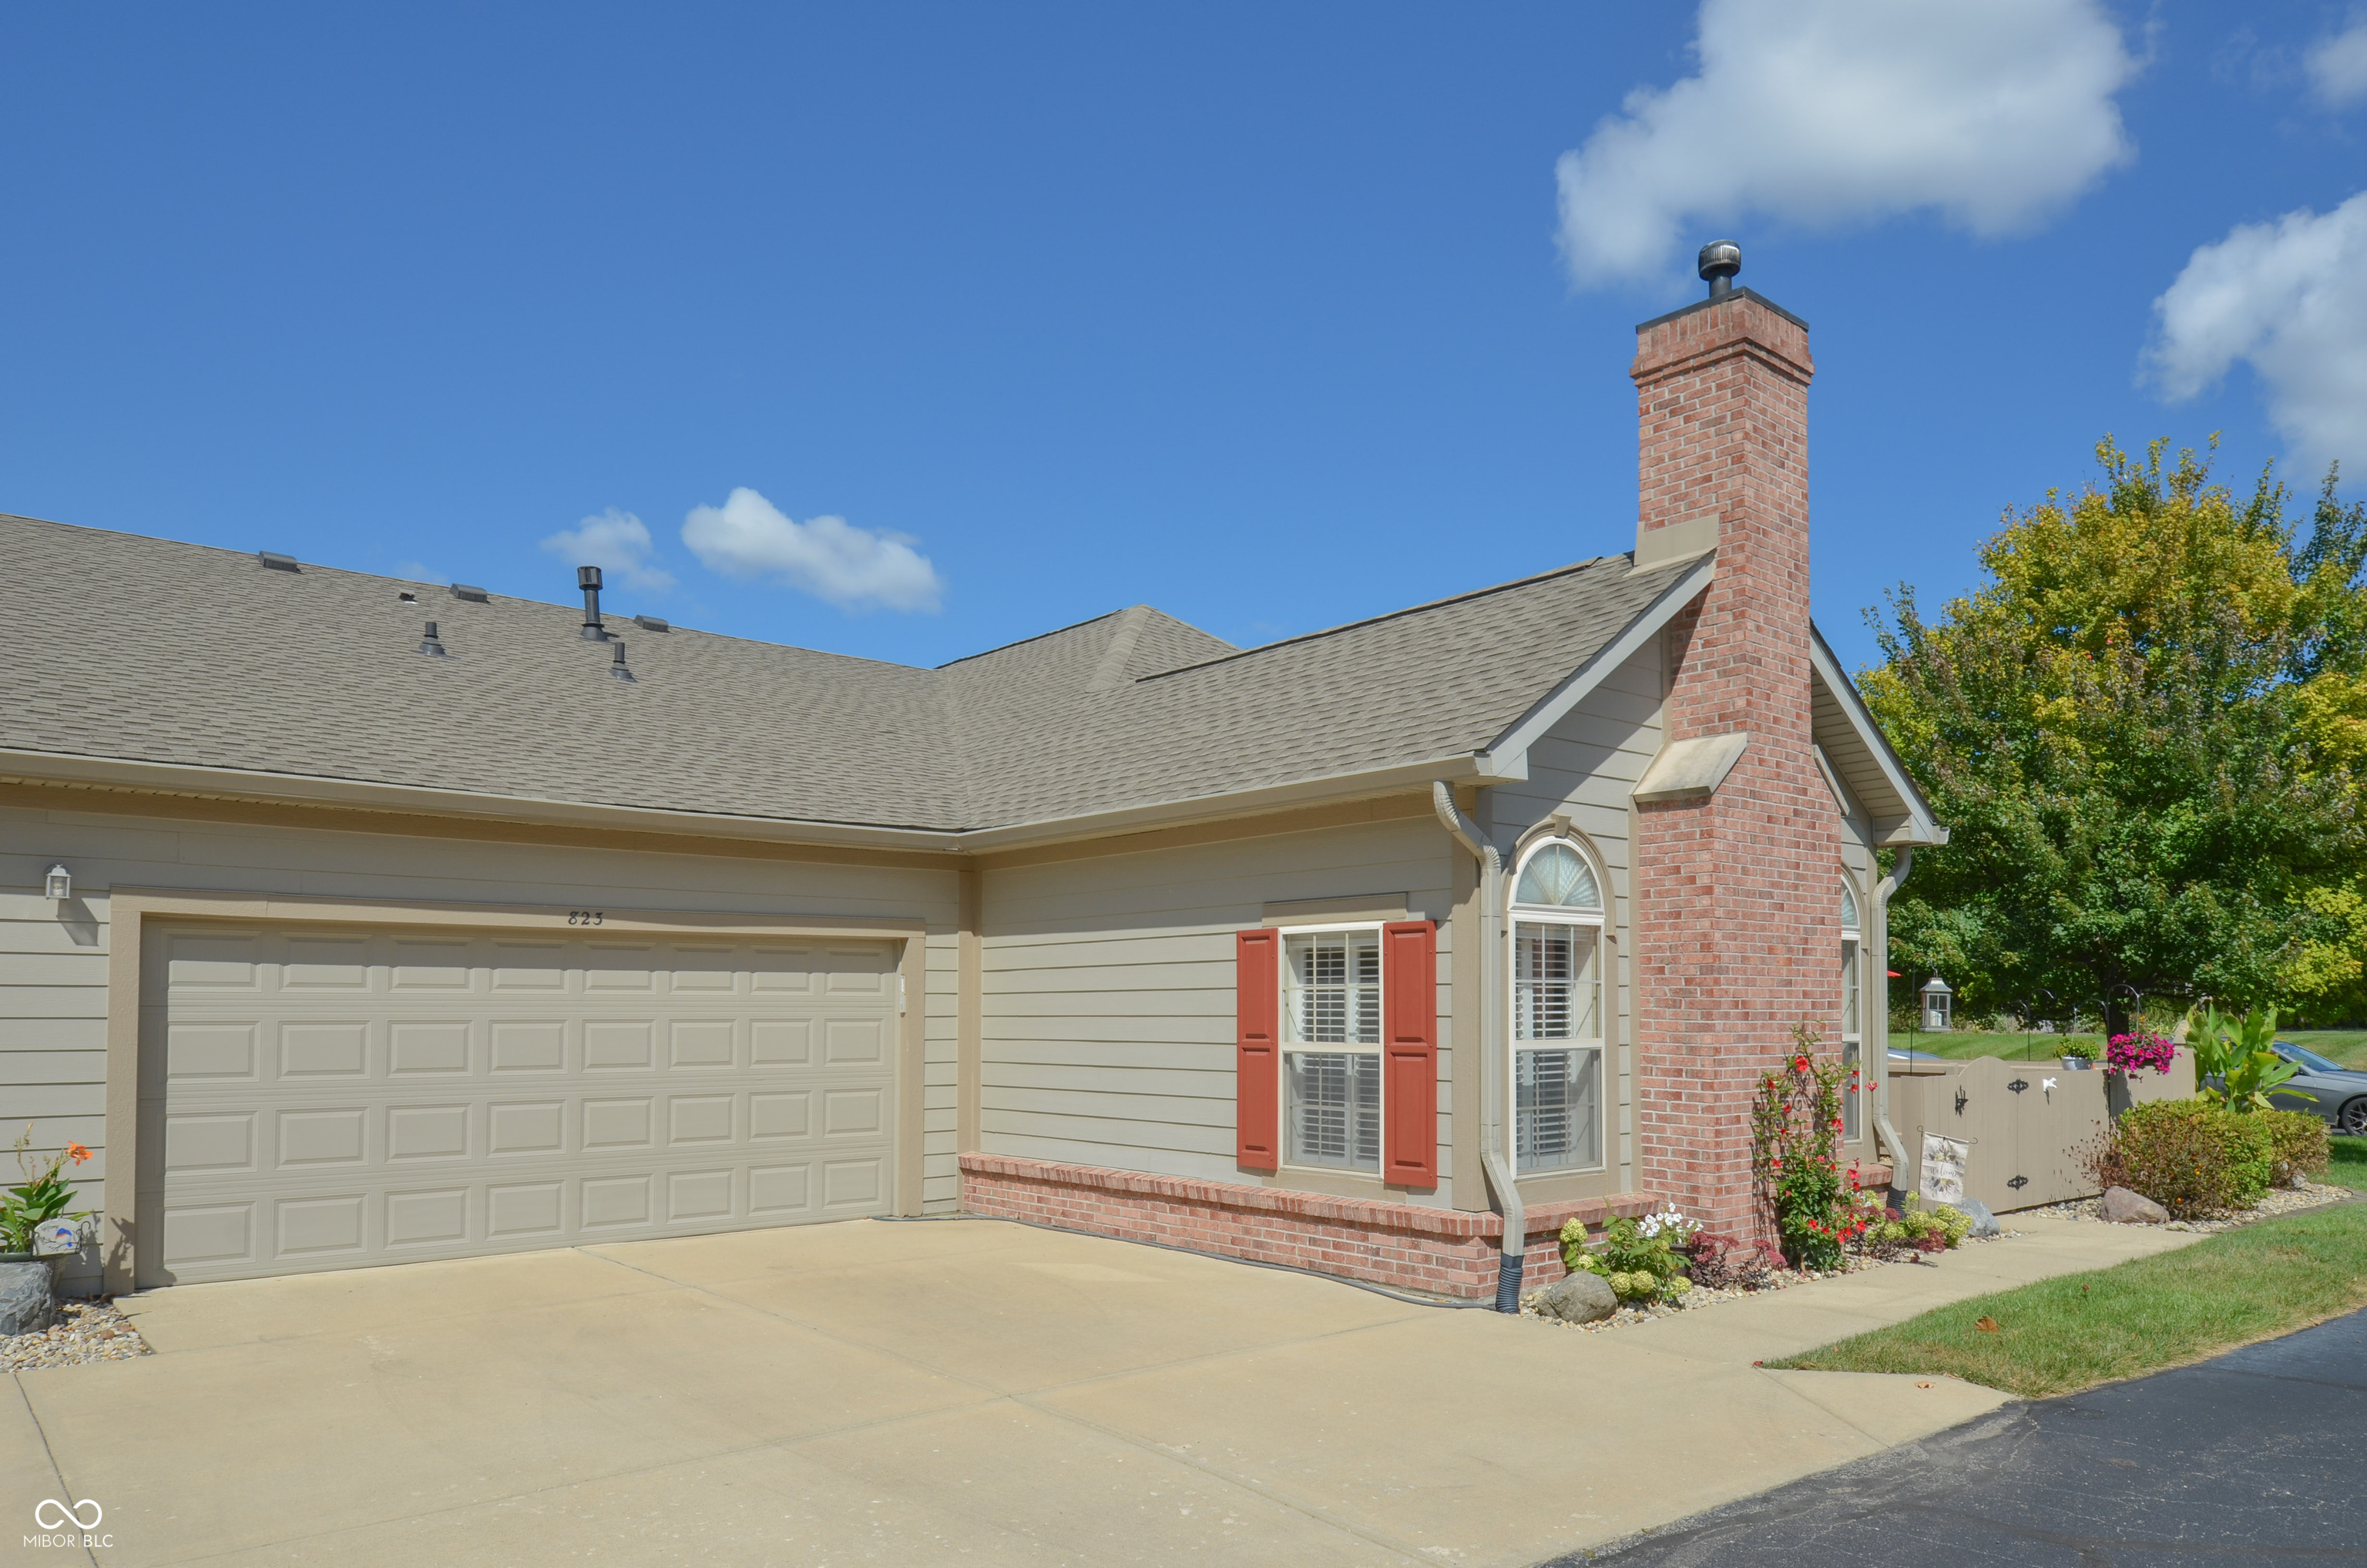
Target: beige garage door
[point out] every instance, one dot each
(325, 1099)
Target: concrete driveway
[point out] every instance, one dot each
(898, 1394)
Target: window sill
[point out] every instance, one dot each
(1336, 1182)
(1560, 1186)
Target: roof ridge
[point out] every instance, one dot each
(1585, 565)
(1021, 642)
(327, 568)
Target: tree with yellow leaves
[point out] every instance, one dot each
(2148, 732)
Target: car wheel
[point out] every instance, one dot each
(2353, 1119)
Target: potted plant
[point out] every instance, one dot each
(39, 1202)
(2078, 1056)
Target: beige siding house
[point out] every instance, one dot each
(344, 939)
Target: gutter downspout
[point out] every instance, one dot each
(1882, 895)
(1513, 1248)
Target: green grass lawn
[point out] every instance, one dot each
(2074, 1332)
(2346, 1046)
(2350, 1167)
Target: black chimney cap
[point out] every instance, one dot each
(588, 576)
(1719, 262)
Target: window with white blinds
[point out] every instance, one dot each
(1557, 1011)
(1331, 1098)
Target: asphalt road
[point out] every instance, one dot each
(2258, 1457)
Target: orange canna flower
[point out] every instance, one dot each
(76, 1153)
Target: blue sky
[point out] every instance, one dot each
(1266, 315)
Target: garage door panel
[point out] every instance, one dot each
(780, 1042)
(424, 1048)
(213, 1051)
(695, 1043)
(427, 1099)
(419, 1132)
(529, 1045)
(429, 1217)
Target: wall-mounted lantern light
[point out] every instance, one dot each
(1937, 1001)
(59, 884)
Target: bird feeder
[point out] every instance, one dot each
(1938, 1002)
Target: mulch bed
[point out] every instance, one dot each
(2279, 1201)
(1699, 1297)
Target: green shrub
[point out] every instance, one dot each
(1638, 1259)
(2298, 1145)
(2194, 1158)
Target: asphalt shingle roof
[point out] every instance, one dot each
(129, 647)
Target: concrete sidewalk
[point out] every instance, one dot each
(893, 1394)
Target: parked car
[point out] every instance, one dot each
(1900, 1053)
(2340, 1093)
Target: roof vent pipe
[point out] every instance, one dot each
(1719, 262)
(588, 579)
(430, 645)
(616, 666)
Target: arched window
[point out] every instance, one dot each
(1852, 1034)
(1557, 920)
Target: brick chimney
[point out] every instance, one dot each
(1738, 925)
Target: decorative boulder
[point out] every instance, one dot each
(29, 1299)
(1985, 1224)
(1582, 1298)
(2123, 1207)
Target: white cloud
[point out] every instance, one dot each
(829, 557)
(2282, 297)
(616, 542)
(2337, 66)
(1823, 112)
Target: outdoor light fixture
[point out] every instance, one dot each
(1937, 999)
(59, 884)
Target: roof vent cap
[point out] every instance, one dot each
(588, 579)
(616, 666)
(276, 561)
(652, 623)
(471, 593)
(430, 644)
(1719, 262)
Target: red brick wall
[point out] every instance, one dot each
(1442, 1251)
(1737, 895)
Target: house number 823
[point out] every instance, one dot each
(587, 917)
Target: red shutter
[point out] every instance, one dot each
(1409, 1053)
(1257, 1082)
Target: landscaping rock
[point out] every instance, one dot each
(2123, 1207)
(29, 1299)
(1985, 1224)
(1582, 1298)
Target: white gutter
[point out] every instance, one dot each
(1514, 1246)
(255, 784)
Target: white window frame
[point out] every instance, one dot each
(1853, 990)
(1596, 921)
(1286, 1045)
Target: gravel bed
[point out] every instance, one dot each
(87, 1330)
(1699, 1297)
(2281, 1200)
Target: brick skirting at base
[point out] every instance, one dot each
(1442, 1251)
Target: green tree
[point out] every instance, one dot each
(2144, 731)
